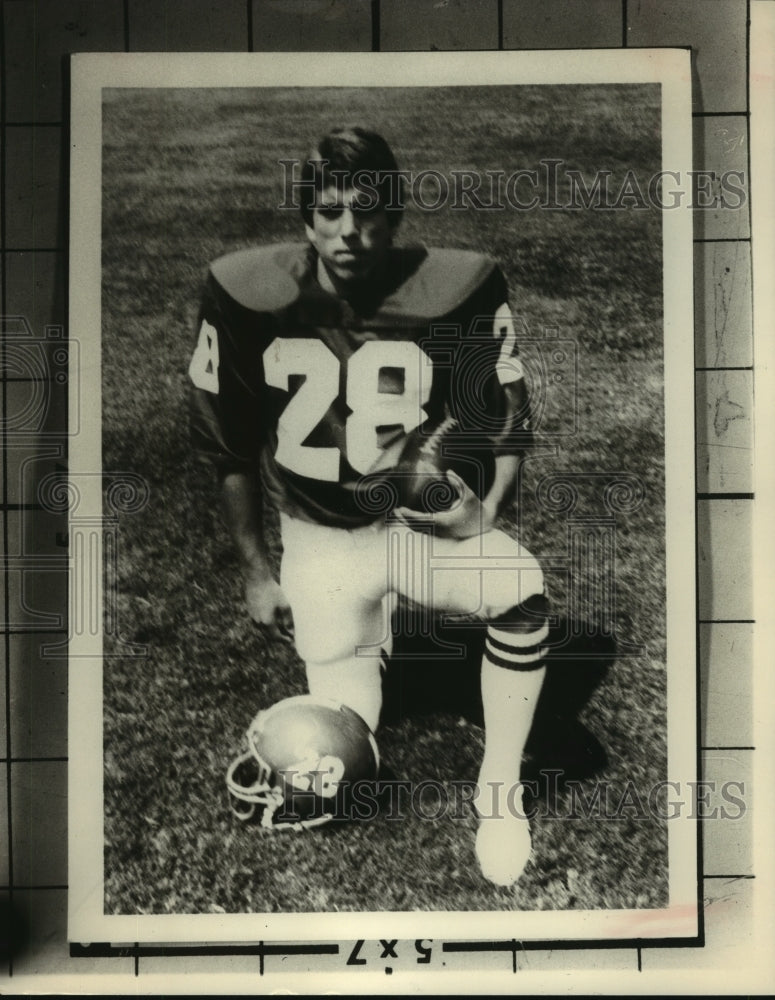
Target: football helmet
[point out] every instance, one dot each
(304, 754)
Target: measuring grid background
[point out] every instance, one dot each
(36, 35)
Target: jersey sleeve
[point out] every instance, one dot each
(225, 416)
(516, 433)
(490, 393)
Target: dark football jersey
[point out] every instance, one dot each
(320, 391)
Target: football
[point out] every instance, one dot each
(433, 449)
(412, 472)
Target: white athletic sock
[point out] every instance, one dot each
(512, 676)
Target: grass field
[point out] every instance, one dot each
(189, 175)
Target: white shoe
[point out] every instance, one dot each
(503, 847)
(503, 842)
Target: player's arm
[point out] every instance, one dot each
(224, 419)
(243, 506)
(503, 490)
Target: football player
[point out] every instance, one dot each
(315, 361)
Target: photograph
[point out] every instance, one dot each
(386, 490)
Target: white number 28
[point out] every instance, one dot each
(370, 408)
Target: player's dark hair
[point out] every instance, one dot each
(353, 156)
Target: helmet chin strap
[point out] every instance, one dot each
(300, 825)
(261, 793)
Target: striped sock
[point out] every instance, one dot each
(517, 640)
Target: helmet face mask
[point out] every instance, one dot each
(304, 756)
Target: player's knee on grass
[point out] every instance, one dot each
(332, 618)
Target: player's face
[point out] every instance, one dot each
(351, 235)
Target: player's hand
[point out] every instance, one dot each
(467, 517)
(268, 607)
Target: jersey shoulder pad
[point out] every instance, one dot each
(263, 279)
(442, 280)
